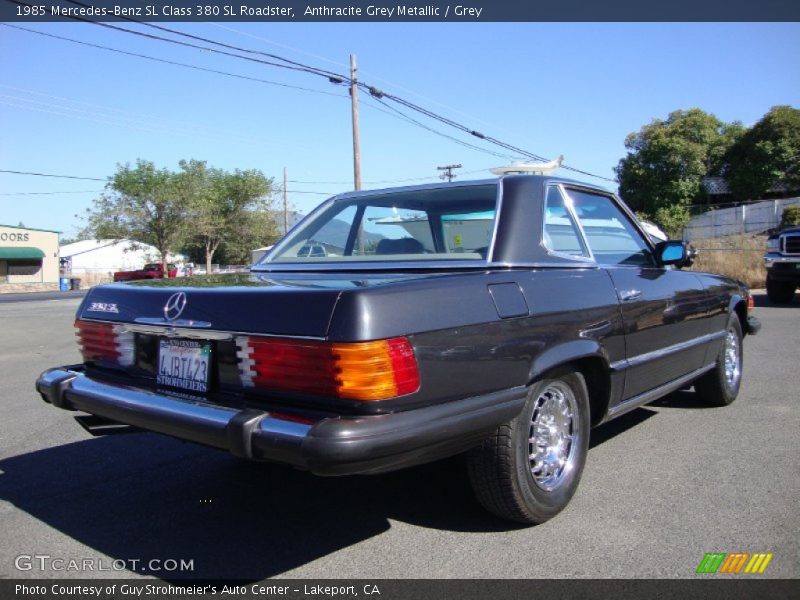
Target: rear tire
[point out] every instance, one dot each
(779, 292)
(720, 386)
(529, 469)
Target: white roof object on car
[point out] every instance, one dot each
(529, 168)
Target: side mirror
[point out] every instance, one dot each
(673, 252)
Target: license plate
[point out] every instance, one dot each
(184, 364)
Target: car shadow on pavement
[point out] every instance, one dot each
(761, 301)
(682, 399)
(621, 424)
(144, 496)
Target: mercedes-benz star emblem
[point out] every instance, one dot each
(174, 306)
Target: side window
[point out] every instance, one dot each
(560, 232)
(610, 234)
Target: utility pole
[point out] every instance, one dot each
(448, 172)
(285, 204)
(356, 140)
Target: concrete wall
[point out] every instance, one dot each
(748, 218)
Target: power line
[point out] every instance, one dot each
(290, 67)
(174, 63)
(341, 64)
(291, 191)
(407, 179)
(50, 193)
(51, 175)
(205, 130)
(336, 78)
(143, 124)
(98, 179)
(298, 65)
(448, 171)
(451, 123)
(409, 119)
(76, 113)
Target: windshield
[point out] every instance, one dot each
(452, 223)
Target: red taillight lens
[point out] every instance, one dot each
(751, 303)
(104, 342)
(358, 371)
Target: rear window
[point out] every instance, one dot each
(453, 223)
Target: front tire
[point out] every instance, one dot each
(529, 469)
(720, 386)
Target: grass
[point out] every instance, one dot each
(738, 256)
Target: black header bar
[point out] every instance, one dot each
(469, 11)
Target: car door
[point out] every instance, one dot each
(664, 310)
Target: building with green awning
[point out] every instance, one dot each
(29, 259)
(22, 252)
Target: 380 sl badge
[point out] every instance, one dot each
(107, 307)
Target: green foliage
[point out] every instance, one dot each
(228, 212)
(672, 219)
(140, 204)
(667, 160)
(766, 154)
(790, 216)
(202, 209)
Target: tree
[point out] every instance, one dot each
(141, 204)
(227, 209)
(667, 161)
(790, 216)
(767, 154)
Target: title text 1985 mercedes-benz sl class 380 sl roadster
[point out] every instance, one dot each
(499, 318)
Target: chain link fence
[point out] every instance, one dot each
(731, 239)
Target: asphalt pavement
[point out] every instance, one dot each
(662, 486)
(41, 296)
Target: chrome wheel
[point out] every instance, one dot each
(733, 367)
(530, 467)
(552, 439)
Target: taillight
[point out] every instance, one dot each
(376, 370)
(751, 303)
(105, 342)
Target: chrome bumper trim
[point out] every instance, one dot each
(338, 445)
(213, 425)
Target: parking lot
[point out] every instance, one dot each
(663, 485)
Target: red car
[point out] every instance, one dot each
(150, 271)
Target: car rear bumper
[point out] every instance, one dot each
(332, 446)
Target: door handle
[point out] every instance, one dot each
(629, 295)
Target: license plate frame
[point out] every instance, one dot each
(184, 364)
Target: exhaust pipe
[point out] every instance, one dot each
(98, 426)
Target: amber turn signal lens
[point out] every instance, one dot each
(367, 371)
(376, 370)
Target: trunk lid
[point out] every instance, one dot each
(236, 302)
(290, 304)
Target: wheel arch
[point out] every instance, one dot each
(738, 306)
(590, 360)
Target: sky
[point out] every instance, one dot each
(575, 89)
